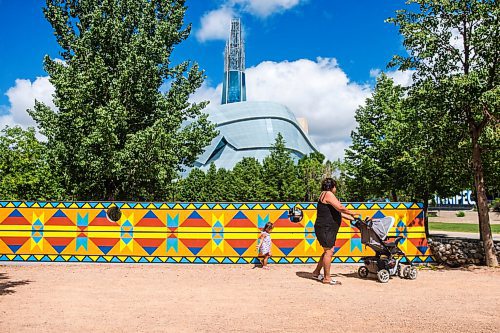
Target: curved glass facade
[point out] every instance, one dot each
(249, 129)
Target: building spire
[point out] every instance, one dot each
(233, 86)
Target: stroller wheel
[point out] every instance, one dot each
(405, 272)
(401, 271)
(363, 272)
(383, 276)
(412, 273)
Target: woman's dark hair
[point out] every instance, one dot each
(268, 227)
(328, 184)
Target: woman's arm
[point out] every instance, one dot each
(332, 200)
(347, 217)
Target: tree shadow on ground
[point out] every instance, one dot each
(6, 287)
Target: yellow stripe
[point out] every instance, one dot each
(107, 234)
(67, 228)
(205, 235)
(16, 234)
(15, 227)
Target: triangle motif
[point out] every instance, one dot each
(150, 220)
(16, 218)
(194, 220)
(240, 220)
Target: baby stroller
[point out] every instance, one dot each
(387, 259)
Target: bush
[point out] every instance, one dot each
(460, 214)
(495, 205)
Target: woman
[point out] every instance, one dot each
(329, 215)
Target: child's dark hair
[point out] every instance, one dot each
(268, 227)
(328, 184)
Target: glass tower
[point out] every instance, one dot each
(233, 86)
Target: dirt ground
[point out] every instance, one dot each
(470, 217)
(237, 298)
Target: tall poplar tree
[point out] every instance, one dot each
(280, 174)
(454, 47)
(116, 135)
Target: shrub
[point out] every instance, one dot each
(495, 205)
(460, 214)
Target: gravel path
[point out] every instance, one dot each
(237, 298)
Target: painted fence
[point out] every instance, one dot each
(187, 232)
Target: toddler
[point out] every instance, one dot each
(264, 244)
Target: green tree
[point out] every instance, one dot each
(490, 143)
(248, 180)
(218, 184)
(371, 160)
(453, 45)
(193, 187)
(211, 188)
(338, 170)
(226, 186)
(433, 150)
(312, 171)
(403, 147)
(25, 173)
(281, 175)
(115, 135)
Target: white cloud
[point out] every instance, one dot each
(374, 72)
(207, 93)
(403, 78)
(215, 24)
(316, 90)
(22, 97)
(335, 149)
(264, 8)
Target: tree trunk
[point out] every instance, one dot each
(394, 196)
(110, 191)
(482, 201)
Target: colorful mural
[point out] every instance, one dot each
(187, 232)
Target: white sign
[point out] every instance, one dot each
(462, 199)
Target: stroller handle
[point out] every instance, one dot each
(367, 221)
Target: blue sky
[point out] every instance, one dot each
(336, 47)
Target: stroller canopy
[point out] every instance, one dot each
(382, 226)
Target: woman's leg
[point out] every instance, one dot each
(317, 271)
(327, 263)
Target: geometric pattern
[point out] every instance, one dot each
(216, 233)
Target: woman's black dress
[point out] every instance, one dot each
(327, 224)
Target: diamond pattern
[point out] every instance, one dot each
(186, 232)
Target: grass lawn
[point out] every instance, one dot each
(460, 227)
